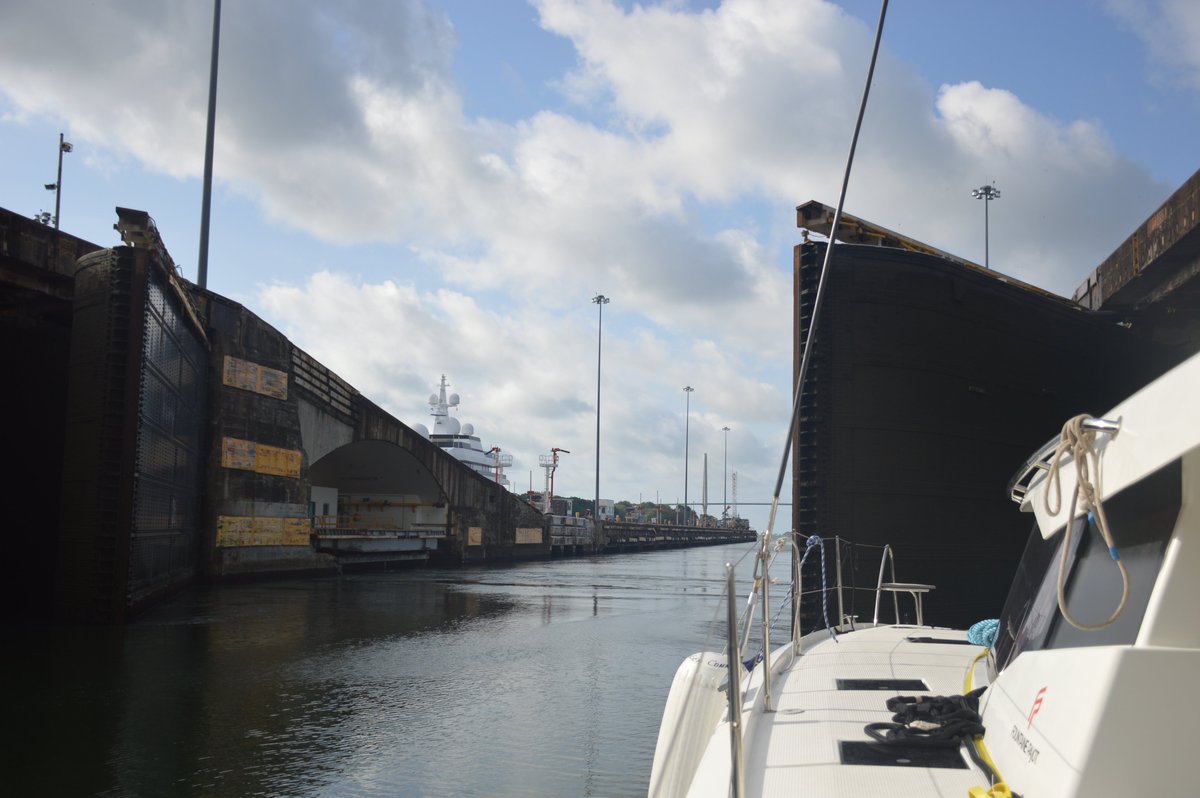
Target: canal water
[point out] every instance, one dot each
(536, 679)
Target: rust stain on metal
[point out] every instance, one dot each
(1156, 221)
(1149, 265)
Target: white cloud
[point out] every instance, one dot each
(349, 127)
(1170, 29)
(758, 98)
(527, 380)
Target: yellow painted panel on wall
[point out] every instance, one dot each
(240, 373)
(249, 376)
(268, 531)
(233, 531)
(475, 536)
(277, 461)
(296, 531)
(529, 534)
(260, 458)
(236, 453)
(272, 382)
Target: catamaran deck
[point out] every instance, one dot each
(797, 750)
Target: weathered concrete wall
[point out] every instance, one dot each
(257, 493)
(321, 432)
(484, 518)
(35, 326)
(1153, 278)
(275, 412)
(1155, 261)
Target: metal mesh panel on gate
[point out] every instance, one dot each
(170, 425)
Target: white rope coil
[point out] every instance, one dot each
(1079, 444)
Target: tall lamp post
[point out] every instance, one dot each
(56, 187)
(600, 301)
(210, 132)
(687, 416)
(725, 473)
(987, 194)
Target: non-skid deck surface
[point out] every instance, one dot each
(795, 750)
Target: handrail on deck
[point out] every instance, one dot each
(735, 689)
(886, 559)
(913, 589)
(760, 591)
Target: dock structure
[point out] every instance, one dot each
(625, 536)
(172, 435)
(570, 535)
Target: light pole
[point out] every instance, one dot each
(210, 131)
(56, 186)
(600, 301)
(724, 473)
(987, 194)
(686, 421)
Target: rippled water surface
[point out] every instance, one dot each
(540, 679)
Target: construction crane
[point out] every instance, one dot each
(500, 462)
(550, 463)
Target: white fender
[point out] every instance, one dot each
(695, 705)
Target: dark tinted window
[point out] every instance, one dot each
(1141, 518)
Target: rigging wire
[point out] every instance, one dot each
(812, 322)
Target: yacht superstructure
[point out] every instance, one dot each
(459, 439)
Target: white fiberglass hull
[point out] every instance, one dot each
(795, 750)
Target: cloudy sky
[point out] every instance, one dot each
(413, 188)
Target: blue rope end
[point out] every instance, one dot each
(1112, 552)
(984, 633)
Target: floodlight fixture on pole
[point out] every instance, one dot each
(687, 416)
(600, 300)
(56, 187)
(987, 194)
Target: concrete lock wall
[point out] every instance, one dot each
(276, 412)
(258, 494)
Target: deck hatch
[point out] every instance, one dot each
(859, 752)
(882, 684)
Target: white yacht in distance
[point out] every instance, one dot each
(459, 440)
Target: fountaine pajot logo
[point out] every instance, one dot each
(1037, 705)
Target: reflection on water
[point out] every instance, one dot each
(537, 679)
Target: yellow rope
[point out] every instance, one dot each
(971, 671)
(999, 789)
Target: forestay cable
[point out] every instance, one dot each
(816, 311)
